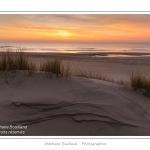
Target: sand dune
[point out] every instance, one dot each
(72, 106)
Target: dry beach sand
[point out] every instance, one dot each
(77, 106)
(117, 67)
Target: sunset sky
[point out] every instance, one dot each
(75, 28)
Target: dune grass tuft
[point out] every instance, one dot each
(140, 81)
(85, 74)
(55, 66)
(12, 61)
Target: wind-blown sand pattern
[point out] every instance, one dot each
(72, 106)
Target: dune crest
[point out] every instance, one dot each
(87, 106)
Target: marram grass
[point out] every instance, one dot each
(140, 81)
(15, 61)
(55, 66)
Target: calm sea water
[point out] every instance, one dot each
(77, 47)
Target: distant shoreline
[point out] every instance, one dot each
(83, 53)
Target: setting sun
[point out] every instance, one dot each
(63, 33)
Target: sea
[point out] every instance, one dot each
(58, 47)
